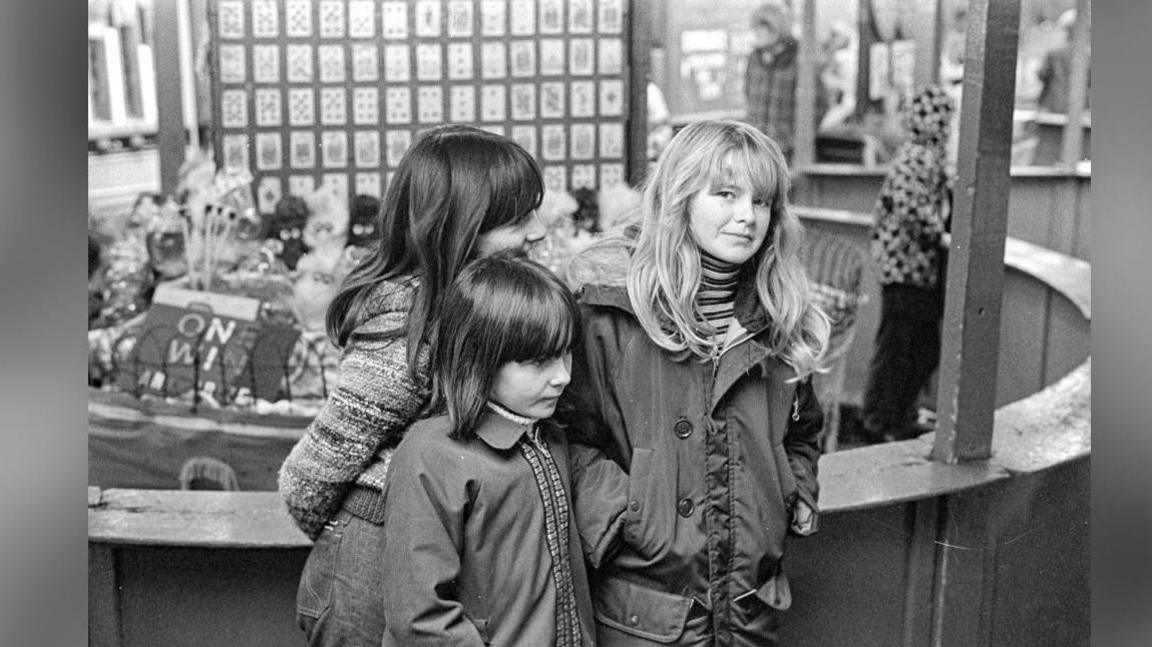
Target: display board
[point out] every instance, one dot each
(331, 92)
(707, 46)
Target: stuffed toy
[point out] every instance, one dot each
(284, 231)
(362, 228)
(326, 232)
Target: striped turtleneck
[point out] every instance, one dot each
(717, 293)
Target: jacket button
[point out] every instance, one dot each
(634, 505)
(633, 619)
(685, 507)
(683, 429)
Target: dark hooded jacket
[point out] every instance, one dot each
(716, 453)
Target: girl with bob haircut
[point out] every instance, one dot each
(459, 193)
(480, 545)
(694, 376)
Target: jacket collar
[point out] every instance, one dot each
(746, 309)
(501, 429)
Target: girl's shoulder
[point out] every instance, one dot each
(387, 305)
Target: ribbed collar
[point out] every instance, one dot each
(502, 429)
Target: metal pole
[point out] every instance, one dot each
(1077, 85)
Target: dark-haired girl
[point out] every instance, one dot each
(480, 541)
(458, 193)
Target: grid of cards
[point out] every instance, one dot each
(311, 92)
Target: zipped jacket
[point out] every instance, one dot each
(716, 455)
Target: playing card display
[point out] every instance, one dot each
(428, 62)
(331, 63)
(555, 178)
(266, 63)
(526, 137)
(232, 67)
(462, 104)
(611, 16)
(583, 141)
(268, 153)
(230, 18)
(268, 108)
(493, 17)
(493, 60)
(397, 142)
(611, 175)
(302, 149)
(234, 109)
(430, 104)
(235, 151)
(580, 56)
(522, 18)
(398, 106)
(367, 147)
(365, 106)
(368, 184)
(361, 19)
(301, 107)
(332, 19)
(460, 18)
(583, 98)
(523, 101)
(492, 103)
(335, 183)
(265, 19)
(299, 63)
(301, 185)
(580, 16)
(460, 61)
(365, 67)
(397, 65)
(394, 19)
(268, 193)
(551, 17)
(523, 54)
(611, 140)
(551, 57)
(311, 92)
(611, 52)
(428, 18)
(555, 142)
(333, 106)
(299, 18)
(334, 148)
(584, 175)
(552, 100)
(612, 98)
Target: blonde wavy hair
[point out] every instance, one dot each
(664, 274)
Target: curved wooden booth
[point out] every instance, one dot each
(911, 551)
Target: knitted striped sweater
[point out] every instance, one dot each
(352, 438)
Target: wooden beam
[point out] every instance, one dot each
(169, 95)
(1077, 84)
(971, 328)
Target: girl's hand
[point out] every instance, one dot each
(803, 519)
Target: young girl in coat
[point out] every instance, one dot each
(480, 543)
(694, 377)
(458, 193)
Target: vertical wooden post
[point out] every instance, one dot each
(1077, 85)
(804, 137)
(971, 329)
(169, 95)
(638, 62)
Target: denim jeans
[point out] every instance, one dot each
(339, 600)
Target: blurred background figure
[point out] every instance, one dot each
(837, 99)
(1056, 70)
(770, 78)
